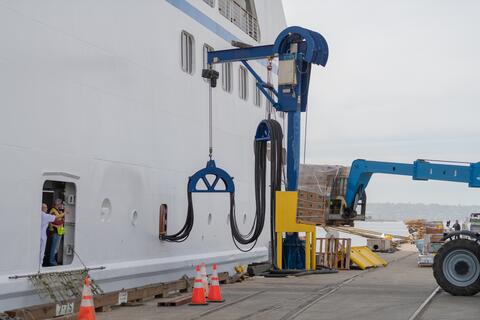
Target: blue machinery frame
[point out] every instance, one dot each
(292, 99)
(362, 170)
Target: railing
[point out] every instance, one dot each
(240, 17)
(211, 3)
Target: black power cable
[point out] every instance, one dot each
(183, 234)
(260, 147)
(276, 163)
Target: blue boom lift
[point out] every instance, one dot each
(457, 264)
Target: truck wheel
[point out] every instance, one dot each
(457, 267)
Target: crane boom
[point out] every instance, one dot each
(362, 170)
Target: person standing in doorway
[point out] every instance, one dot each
(46, 219)
(58, 230)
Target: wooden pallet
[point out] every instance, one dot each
(101, 302)
(334, 253)
(175, 301)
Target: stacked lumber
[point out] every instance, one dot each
(416, 228)
(395, 239)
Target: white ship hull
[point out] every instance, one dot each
(92, 93)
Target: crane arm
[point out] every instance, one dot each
(362, 170)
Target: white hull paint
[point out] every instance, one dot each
(91, 92)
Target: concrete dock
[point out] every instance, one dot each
(394, 292)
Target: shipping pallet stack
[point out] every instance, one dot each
(432, 242)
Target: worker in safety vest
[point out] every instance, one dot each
(58, 230)
(45, 220)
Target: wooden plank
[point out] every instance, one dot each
(310, 196)
(47, 311)
(175, 301)
(311, 205)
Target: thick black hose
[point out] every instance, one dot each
(260, 149)
(183, 234)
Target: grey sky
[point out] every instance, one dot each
(402, 83)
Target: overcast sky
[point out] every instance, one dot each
(402, 82)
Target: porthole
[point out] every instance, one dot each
(134, 217)
(106, 210)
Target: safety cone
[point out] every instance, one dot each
(215, 294)
(198, 294)
(203, 270)
(87, 310)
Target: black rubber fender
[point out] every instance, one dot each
(440, 275)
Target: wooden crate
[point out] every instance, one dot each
(334, 253)
(311, 208)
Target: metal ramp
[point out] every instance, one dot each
(365, 258)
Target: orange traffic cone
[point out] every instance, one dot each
(87, 310)
(198, 295)
(203, 271)
(215, 294)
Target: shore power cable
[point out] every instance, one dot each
(271, 131)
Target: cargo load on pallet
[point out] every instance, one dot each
(416, 228)
(321, 191)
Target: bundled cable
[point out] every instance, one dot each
(260, 147)
(184, 232)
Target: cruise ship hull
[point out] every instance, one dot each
(93, 95)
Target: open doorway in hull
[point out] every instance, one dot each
(60, 197)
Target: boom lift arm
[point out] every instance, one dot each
(362, 170)
(456, 265)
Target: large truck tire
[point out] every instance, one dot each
(457, 267)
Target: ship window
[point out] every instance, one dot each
(211, 3)
(227, 76)
(257, 98)
(243, 83)
(206, 50)
(57, 237)
(187, 52)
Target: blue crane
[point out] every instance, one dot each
(296, 49)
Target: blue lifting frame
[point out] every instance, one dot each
(217, 174)
(362, 170)
(311, 47)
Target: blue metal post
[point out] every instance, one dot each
(293, 150)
